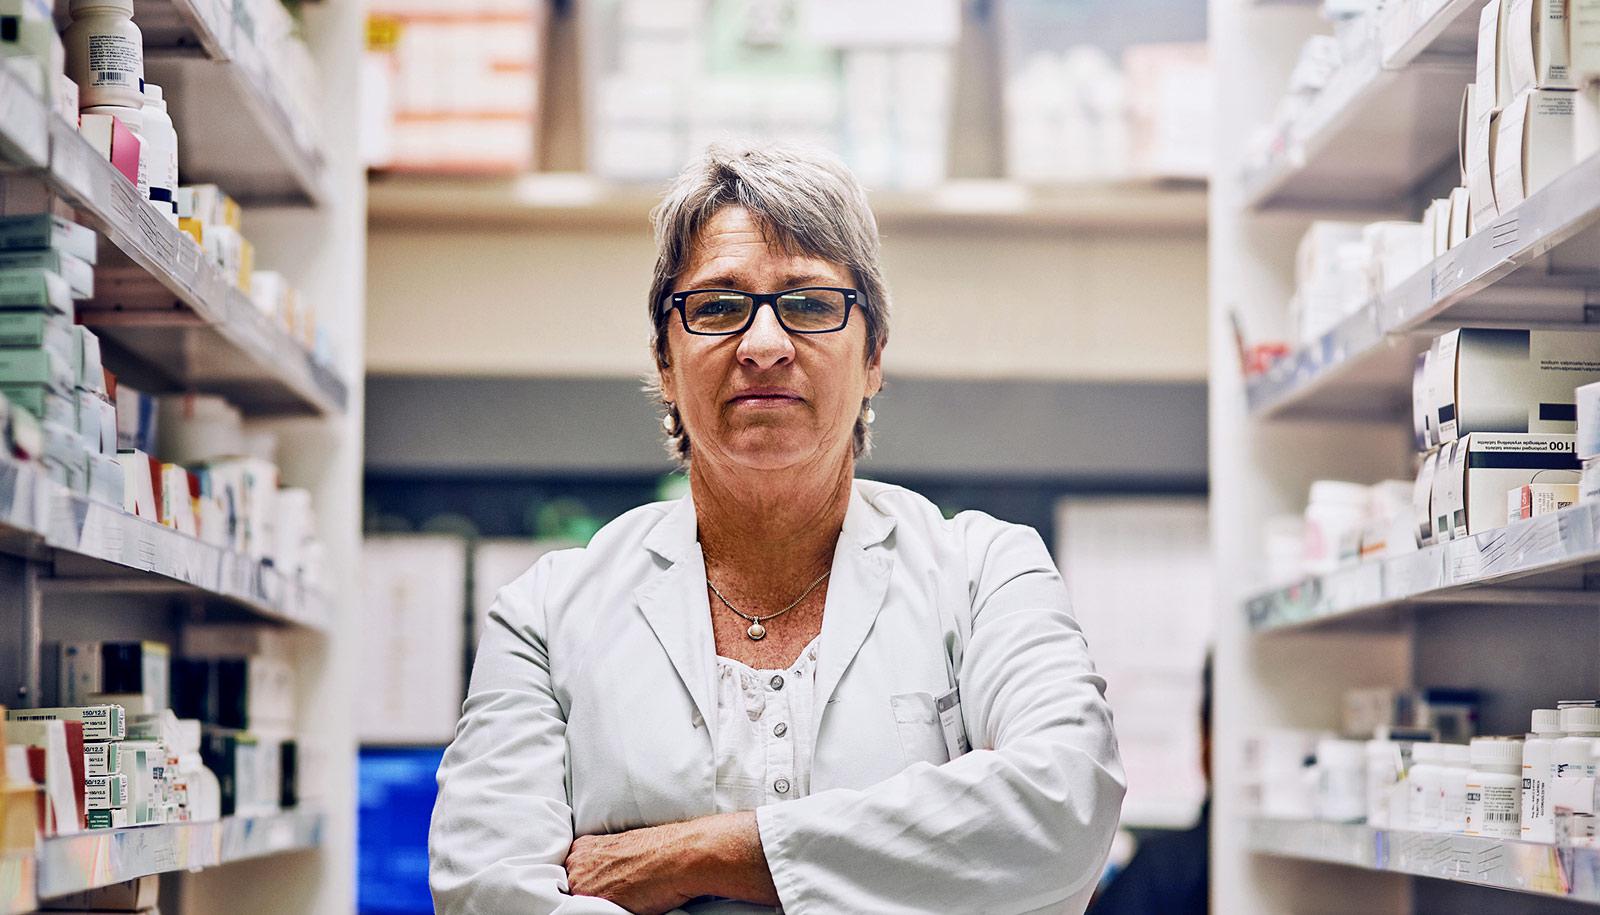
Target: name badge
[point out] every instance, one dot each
(955, 733)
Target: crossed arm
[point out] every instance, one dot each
(659, 868)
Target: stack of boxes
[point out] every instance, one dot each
(32, 50)
(1495, 417)
(238, 681)
(141, 895)
(94, 731)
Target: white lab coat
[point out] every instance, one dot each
(592, 698)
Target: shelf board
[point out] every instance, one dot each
(1457, 572)
(1403, 100)
(1529, 266)
(579, 200)
(72, 864)
(1523, 867)
(203, 60)
(162, 302)
(96, 546)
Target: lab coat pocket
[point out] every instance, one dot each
(916, 720)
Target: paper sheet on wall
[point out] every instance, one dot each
(495, 564)
(414, 592)
(1139, 571)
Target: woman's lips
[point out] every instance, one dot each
(765, 399)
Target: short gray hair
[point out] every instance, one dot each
(805, 200)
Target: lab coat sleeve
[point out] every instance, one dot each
(501, 825)
(1021, 823)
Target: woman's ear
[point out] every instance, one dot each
(664, 381)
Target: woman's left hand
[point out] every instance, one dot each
(632, 869)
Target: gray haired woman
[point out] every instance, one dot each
(791, 687)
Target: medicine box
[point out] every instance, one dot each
(1536, 45)
(1492, 380)
(140, 668)
(1486, 466)
(46, 230)
(78, 273)
(32, 288)
(103, 722)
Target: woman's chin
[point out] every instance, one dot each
(769, 449)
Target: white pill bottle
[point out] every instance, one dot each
(105, 53)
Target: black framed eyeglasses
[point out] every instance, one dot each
(724, 312)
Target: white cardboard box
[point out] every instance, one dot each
(1583, 30)
(1479, 151)
(1537, 46)
(1534, 144)
(1460, 216)
(1492, 380)
(1422, 499)
(1443, 499)
(1487, 466)
(1493, 73)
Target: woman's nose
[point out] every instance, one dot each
(765, 343)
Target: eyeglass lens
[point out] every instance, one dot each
(802, 310)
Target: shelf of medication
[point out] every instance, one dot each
(1338, 372)
(72, 864)
(240, 351)
(579, 199)
(1358, 593)
(17, 882)
(1402, 96)
(202, 53)
(1572, 873)
(39, 516)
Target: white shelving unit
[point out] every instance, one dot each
(171, 321)
(1506, 612)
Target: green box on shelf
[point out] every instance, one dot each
(36, 366)
(45, 403)
(33, 231)
(37, 330)
(34, 289)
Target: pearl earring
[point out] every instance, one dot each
(870, 415)
(669, 423)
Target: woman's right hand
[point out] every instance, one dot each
(631, 869)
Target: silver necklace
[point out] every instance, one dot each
(757, 632)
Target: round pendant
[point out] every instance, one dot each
(756, 632)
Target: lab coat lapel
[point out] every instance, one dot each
(856, 593)
(673, 601)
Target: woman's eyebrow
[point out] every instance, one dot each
(734, 281)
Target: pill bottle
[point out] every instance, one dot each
(1385, 768)
(105, 53)
(1341, 780)
(163, 157)
(1538, 749)
(1335, 517)
(1494, 791)
(1423, 778)
(1455, 771)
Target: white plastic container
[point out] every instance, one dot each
(1538, 750)
(1455, 772)
(1341, 780)
(1573, 756)
(1422, 811)
(105, 53)
(1335, 518)
(133, 119)
(1385, 770)
(1494, 792)
(162, 154)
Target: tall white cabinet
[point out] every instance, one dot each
(1506, 614)
(72, 569)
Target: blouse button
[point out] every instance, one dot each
(780, 729)
(781, 786)
(776, 682)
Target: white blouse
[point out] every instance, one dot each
(764, 732)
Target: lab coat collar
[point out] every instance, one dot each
(674, 600)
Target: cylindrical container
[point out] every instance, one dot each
(1538, 816)
(1494, 792)
(1423, 777)
(133, 119)
(1455, 771)
(105, 53)
(163, 158)
(1341, 780)
(1385, 767)
(1335, 517)
(1573, 756)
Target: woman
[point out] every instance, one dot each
(766, 691)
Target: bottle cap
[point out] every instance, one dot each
(1496, 751)
(153, 96)
(1546, 721)
(1455, 754)
(1580, 719)
(81, 6)
(1425, 753)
